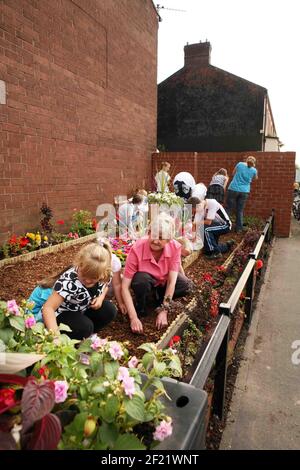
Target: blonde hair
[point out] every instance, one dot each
(49, 281)
(162, 227)
(94, 260)
(251, 160)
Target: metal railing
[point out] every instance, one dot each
(215, 354)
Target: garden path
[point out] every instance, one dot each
(266, 404)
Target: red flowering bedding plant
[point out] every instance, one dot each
(87, 395)
(121, 248)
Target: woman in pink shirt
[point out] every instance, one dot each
(153, 263)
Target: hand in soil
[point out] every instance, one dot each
(162, 320)
(136, 326)
(122, 309)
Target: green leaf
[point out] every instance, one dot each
(111, 409)
(158, 384)
(159, 368)
(18, 323)
(111, 370)
(135, 408)
(148, 347)
(77, 425)
(98, 387)
(128, 442)
(83, 392)
(147, 360)
(6, 334)
(38, 328)
(108, 434)
(63, 327)
(175, 365)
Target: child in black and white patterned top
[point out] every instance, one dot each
(78, 299)
(217, 186)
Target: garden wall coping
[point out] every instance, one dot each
(44, 251)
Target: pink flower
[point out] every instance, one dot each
(29, 321)
(115, 350)
(12, 307)
(128, 385)
(97, 342)
(163, 430)
(84, 359)
(123, 373)
(76, 235)
(133, 362)
(61, 387)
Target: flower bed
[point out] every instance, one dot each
(208, 277)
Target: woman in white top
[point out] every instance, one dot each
(162, 178)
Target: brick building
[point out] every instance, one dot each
(205, 109)
(78, 105)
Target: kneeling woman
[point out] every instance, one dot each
(78, 295)
(153, 263)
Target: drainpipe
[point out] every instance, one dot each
(263, 131)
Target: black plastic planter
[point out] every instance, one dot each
(188, 411)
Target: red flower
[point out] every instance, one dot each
(60, 222)
(94, 224)
(221, 268)
(176, 339)
(13, 240)
(259, 264)
(24, 241)
(208, 278)
(44, 372)
(7, 398)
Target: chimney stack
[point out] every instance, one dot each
(197, 55)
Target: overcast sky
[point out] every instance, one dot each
(258, 40)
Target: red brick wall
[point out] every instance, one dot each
(79, 124)
(272, 190)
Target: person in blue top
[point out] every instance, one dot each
(42, 291)
(239, 189)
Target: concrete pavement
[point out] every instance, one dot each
(265, 409)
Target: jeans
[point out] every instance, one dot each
(236, 202)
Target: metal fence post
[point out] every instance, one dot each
(220, 378)
(221, 368)
(249, 296)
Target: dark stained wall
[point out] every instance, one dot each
(203, 108)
